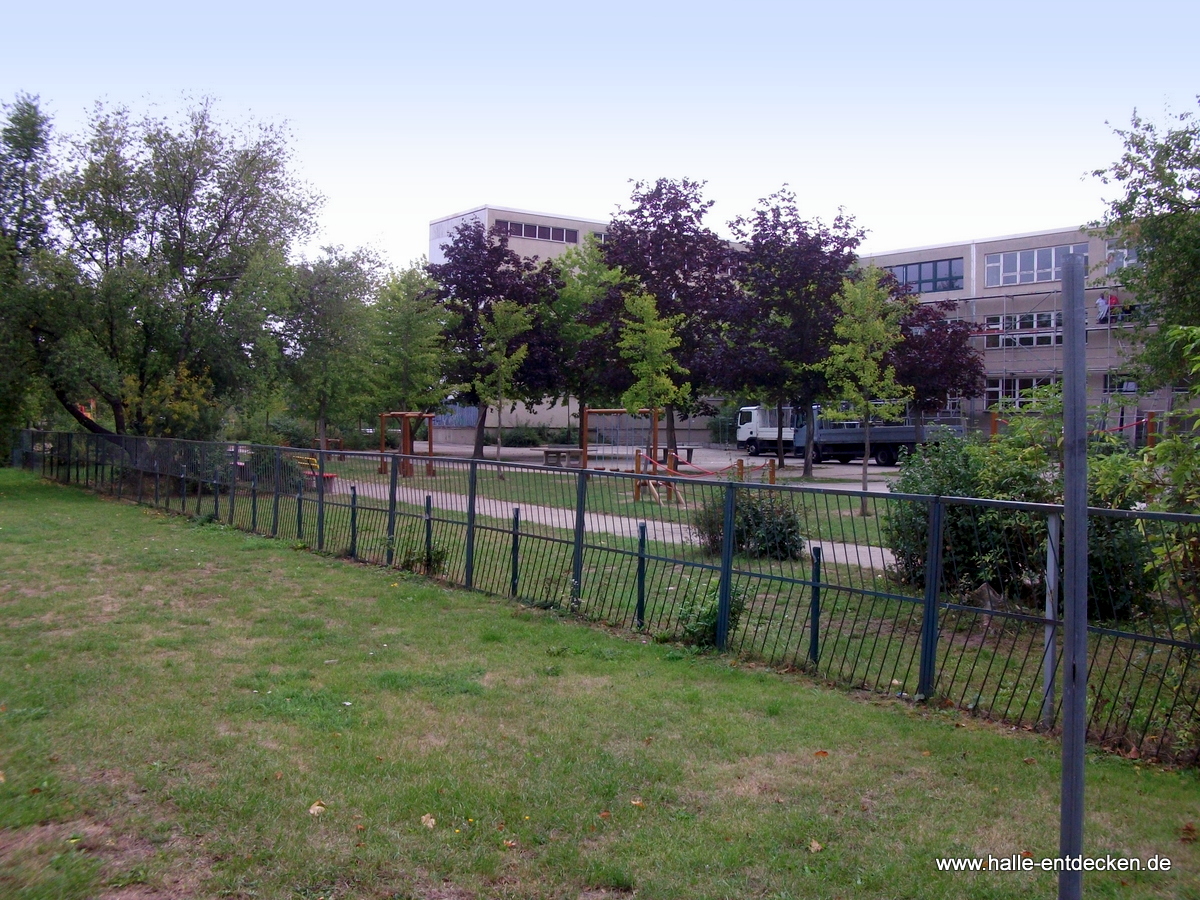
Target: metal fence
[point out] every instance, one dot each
(950, 600)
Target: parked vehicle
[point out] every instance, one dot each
(837, 439)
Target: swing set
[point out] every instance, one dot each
(407, 427)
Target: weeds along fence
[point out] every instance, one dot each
(950, 600)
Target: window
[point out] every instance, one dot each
(1012, 388)
(539, 232)
(931, 277)
(1119, 257)
(1119, 383)
(1028, 266)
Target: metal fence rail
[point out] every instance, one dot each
(952, 600)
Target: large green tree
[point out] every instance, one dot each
(1158, 218)
(326, 337)
(407, 344)
(168, 238)
(866, 332)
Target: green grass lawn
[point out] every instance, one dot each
(189, 711)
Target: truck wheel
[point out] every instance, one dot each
(817, 456)
(885, 455)
(752, 447)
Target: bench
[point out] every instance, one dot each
(555, 456)
(311, 469)
(682, 451)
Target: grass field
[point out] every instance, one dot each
(188, 711)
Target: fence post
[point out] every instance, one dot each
(933, 584)
(275, 504)
(724, 584)
(320, 500)
(156, 484)
(216, 486)
(233, 480)
(577, 555)
(639, 616)
(183, 490)
(254, 503)
(300, 514)
(516, 552)
(472, 482)
(1050, 655)
(428, 533)
(353, 522)
(71, 458)
(391, 522)
(814, 610)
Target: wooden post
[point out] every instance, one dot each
(771, 471)
(406, 447)
(429, 429)
(637, 470)
(382, 446)
(741, 470)
(1151, 433)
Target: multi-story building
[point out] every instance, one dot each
(543, 235)
(1010, 290)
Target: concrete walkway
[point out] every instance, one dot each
(672, 533)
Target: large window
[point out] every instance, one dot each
(1012, 389)
(931, 277)
(539, 232)
(1032, 329)
(1119, 257)
(1028, 266)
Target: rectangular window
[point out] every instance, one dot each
(1008, 268)
(531, 231)
(543, 232)
(558, 234)
(930, 277)
(571, 236)
(991, 270)
(1119, 257)
(1045, 264)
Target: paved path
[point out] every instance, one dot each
(601, 523)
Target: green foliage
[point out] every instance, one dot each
(406, 344)
(765, 526)
(1006, 549)
(410, 556)
(698, 615)
(647, 341)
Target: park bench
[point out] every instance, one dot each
(559, 456)
(311, 470)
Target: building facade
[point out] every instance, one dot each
(1010, 291)
(543, 235)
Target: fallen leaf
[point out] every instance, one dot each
(1029, 761)
(638, 802)
(821, 754)
(1026, 854)
(1, 777)
(35, 790)
(428, 821)
(317, 808)
(605, 814)
(960, 724)
(1134, 754)
(510, 844)
(814, 847)
(1187, 834)
(925, 753)
(278, 775)
(360, 827)
(379, 759)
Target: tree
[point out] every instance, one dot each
(936, 359)
(1158, 218)
(508, 321)
(779, 330)
(325, 333)
(663, 246)
(480, 271)
(865, 333)
(24, 163)
(646, 343)
(166, 235)
(407, 344)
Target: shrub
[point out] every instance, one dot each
(410, 556)
(765, 525)
(698, 615)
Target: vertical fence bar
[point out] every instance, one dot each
(391, 522)
(156, 484)
(275, 504)
(577, 554)
(1049, 640)
(183, 490)
(300, 514)
(353, 522)
(469, 564)
(71, 458)
(516, 552)
(254, 503)
(216, 486)
(639, 616)
(320, 500)
(933, 584)
(233, 479)
(725, 583)
(428, 534)
(814, 610)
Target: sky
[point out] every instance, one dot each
(928, 122)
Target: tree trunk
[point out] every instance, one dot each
(779, 434)
(499, 427)
(863, 511)
(672, 446)
(811, 437)
(480, 423)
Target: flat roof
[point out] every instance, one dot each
(1076, 229)
(520, 212)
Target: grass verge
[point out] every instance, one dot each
(189, 711)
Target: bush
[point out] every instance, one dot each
(698, 615)
(765, 526)
(410, 556)
(524, 436)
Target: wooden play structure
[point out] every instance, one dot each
(407, 420)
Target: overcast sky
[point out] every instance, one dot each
(927, 121)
